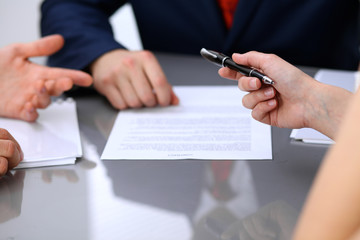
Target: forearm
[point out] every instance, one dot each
(85, 27)
(332, 210)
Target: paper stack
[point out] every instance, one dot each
(54, 139)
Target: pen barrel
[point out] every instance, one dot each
(247, 71)
(257, 74)
(236, 67)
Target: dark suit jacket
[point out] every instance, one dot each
(320, 33)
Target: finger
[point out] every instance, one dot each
(249, 83)
(41, 100)
(127, 91)
(140, 83)
(5, 135)
(114, 96)
(9, 150)
(29, 112)
(43, 47)
(3, 166)
(50, 86)
(252, 59)
(157, 79)
(254, 98)
(40, 86)
(174, 99)
(58, 86)
(228, 73)
(79, 78)
(261, 112)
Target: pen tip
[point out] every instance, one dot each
(267, 80)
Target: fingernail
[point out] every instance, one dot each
(272, 102)
(253, 83)
(269, 92)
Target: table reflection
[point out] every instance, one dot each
(217, 197)
(275, 221)
(11, 195)
(47, 174)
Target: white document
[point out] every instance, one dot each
(54, 139)
(340, 78)
(209, 123)
(309, 135)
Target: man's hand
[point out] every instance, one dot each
(132, 79)
(26, 86)
(10, 152)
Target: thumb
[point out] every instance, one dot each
(251, 59)
(42, 47)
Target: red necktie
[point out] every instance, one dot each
(228, 9)
(221, 171)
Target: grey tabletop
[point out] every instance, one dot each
(186, 199)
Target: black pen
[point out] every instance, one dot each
(222, 60)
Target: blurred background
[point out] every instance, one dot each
(20, 22)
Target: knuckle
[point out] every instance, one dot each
(15, 48)
(160, 81)
(253, 52)
(128, 62)
(146, 54)
(270, 57)
(247, 103)
(148, 97)
(241, 84)
(263, 108)
(107, 79)
(9, 148)
(258, 95)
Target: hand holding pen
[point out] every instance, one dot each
(291, 102)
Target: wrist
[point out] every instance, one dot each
(312, 106)
(326, 107)
(105, 60)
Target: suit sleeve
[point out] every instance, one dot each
(85, 26)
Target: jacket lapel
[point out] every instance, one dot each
(245, 10)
